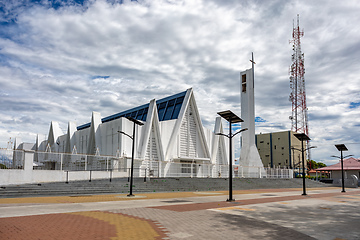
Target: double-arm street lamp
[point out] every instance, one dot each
(231, 118)
(136, 122)
(341, 148)
(303, 137)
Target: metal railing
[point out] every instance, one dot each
(14, 159)
(11, 159)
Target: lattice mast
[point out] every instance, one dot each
(299, 117)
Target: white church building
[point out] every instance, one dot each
(172, 142)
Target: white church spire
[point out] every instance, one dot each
(249, 156)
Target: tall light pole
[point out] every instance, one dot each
(302, 137)
(341, 148)
(136, 122)
(231, 118)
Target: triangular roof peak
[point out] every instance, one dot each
(94, 140)
(152, 123)
(189, 100)
(218, 143)
(54, 132)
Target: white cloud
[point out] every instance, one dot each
(53, 60)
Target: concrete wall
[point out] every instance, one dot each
(28, 175)
(347, 174)
(348, 183)
(14, 176)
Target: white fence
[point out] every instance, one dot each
(77, 162)
(279, 172)
(81, 166)
(10, 159)
(195, 170)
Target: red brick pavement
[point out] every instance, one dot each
(66, 226)
(55, 226)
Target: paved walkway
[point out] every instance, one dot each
(325, 213)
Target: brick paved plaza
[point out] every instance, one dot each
(325, 213)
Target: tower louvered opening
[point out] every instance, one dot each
(151, 150)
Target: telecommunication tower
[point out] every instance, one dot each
(299, 117)
(10, 144)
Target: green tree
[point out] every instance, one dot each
(315, 165)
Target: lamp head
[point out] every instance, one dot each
(341, 147)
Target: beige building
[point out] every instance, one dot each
(276, 149)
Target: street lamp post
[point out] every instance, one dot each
(341, 148)
(302, 137)
(133, 151)
(231, 118)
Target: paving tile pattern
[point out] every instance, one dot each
(55, 226)
(209, 205)
(80, 225)
(264, 215)
(203, 224)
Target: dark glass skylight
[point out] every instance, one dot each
(168, 108)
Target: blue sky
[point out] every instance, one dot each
(61, 60)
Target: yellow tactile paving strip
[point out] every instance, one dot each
(126, 227)
(236, 208)
(96, 198)
(122, 197)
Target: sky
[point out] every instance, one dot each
(61, 60)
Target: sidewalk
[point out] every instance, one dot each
(325, 213)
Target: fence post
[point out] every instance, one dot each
(198, 171)
(61, 161)
(28, 159)
(107, 163)
(259, 172)
(159, 168)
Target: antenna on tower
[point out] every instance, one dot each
(10, 144)
(299, 116)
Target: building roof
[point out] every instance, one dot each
(349, 164)
(168, 108)
(316, 170)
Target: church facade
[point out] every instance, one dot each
(172, 136)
